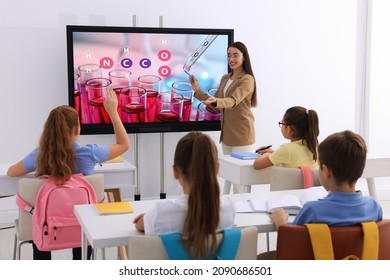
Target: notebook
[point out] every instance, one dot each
(115, 160)
(290, 203)
(121, 207)
(245, 155)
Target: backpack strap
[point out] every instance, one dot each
(24, 205)
(227, 250)
(321, 241)
(307, 177)
(174, 247)
(229, 245)
(371, 241)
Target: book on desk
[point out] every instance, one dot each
(121, 207)
(244, 155)
(292, 204)
(118, 159)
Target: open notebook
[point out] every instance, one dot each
(290, 203)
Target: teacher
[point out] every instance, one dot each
(235, 97)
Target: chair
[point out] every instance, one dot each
(28, 190)
(287, 178)
(151, 248)
(293, 242)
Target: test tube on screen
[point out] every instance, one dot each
(76, 78)
(187, 92)
(198, 52)
(97, 91)
(87, 72)
(152, 85)
(120, 79)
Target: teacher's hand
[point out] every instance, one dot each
(194, 83)
(210, 100)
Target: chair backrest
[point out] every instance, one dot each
(28, 190)
(293, 242)
(288, 178)
(143, 247)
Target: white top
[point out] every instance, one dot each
(168, 216)
(228, 83)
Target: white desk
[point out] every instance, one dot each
(241, 172)
(115, 175)
(8, 212)
(103, 231)
(375, 167)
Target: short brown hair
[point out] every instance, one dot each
(344, 153)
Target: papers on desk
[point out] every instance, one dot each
(115, 160)
(250, 206)
(109, 208)
(245, 155)
(290, 203)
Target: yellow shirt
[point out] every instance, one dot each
(294, 154)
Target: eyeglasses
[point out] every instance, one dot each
(281, 123)
(234, 55)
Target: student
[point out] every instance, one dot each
(299, 125)
(59, 156)
(342, 158)
(235, 97)
(199, 212)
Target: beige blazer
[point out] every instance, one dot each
(237, 121)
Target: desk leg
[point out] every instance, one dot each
(226, 187)
(371, 187)
(115, 195)
(84, 246)
(267, 237)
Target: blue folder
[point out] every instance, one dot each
(245, 155)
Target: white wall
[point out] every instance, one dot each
(303, 53)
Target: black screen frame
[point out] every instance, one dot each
(134, 128)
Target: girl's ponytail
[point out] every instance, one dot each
(311, 137)
(56, 155)
(196, 159)
(305, 125)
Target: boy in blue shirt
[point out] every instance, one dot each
(342, 158)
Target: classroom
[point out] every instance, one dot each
(326, 55)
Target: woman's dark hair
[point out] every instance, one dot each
(305, 126)
(56, 156)
(196, 159)
(247, 67)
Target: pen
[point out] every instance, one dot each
(264, 148)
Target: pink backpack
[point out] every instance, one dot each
(55, 226)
